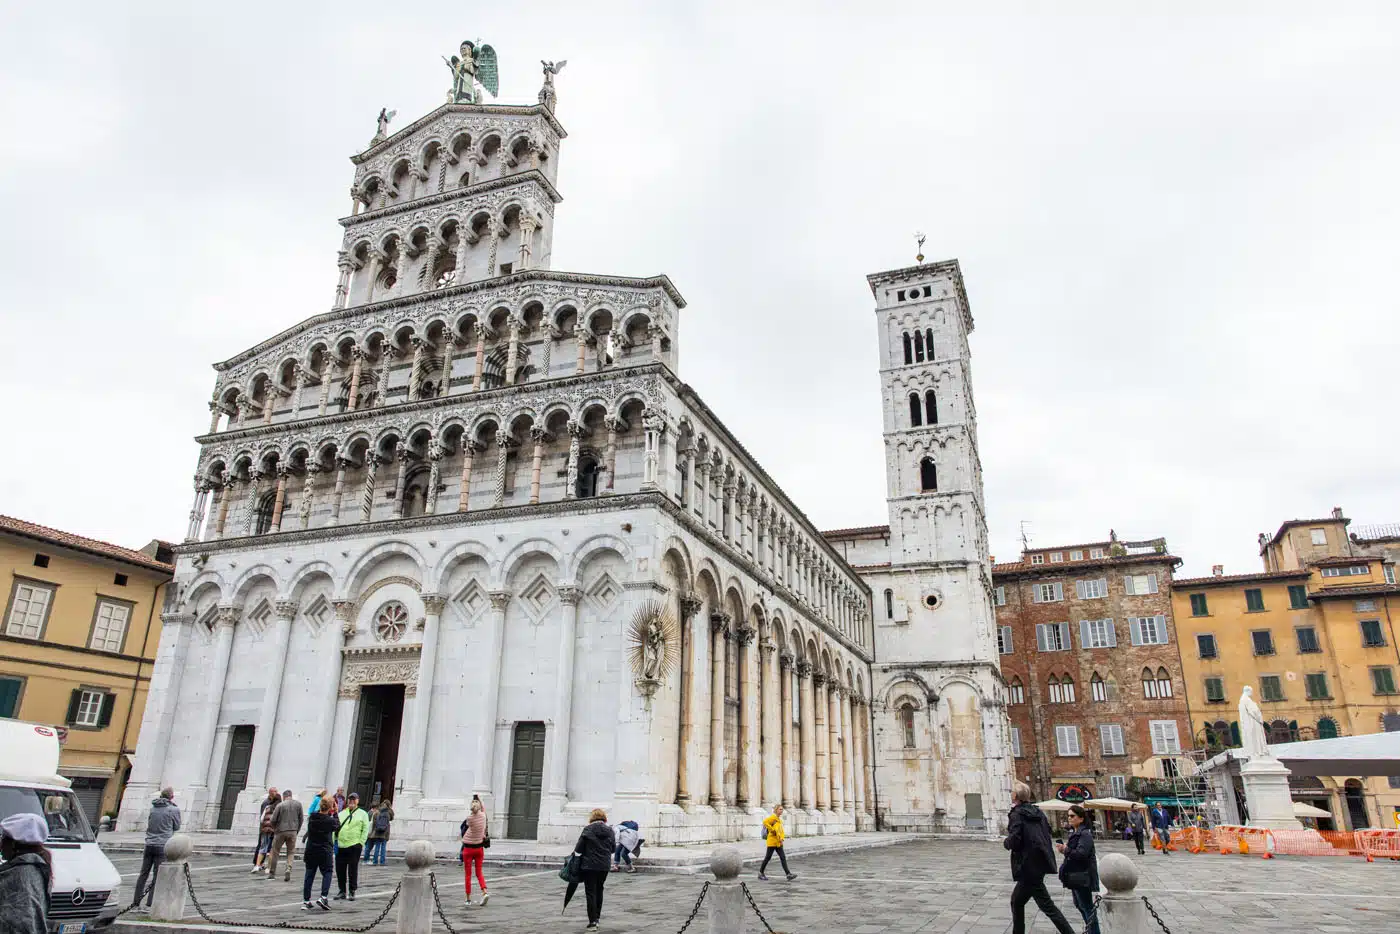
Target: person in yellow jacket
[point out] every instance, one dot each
(354, 831)
(773, 825)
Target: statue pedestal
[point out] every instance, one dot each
(1266, 794)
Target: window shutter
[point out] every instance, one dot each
(1128, 584)
(1041, 637)
(1085, 636)
(1064, 636)
(74, 701)
(1112, 633)
(1080, 589)
(1164, 636)
(9, 697)
(1059, 591)
(104, 717)
(1152, 583)
(1006, 642)
(1135, 629)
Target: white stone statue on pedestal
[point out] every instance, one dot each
(1265, 778)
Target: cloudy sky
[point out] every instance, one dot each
(1179, 234)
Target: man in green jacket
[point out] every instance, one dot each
(354, 830)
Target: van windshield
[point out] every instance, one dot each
(66, 820)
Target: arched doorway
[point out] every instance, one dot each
(1356, 805)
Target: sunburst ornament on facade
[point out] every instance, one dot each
(391, 621)
(654, 640)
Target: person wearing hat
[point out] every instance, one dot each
(354, 831)
(25, 876)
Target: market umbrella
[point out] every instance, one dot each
(1302, 809)
(1054, 804)
(1110, 804)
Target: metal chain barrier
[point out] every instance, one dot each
(288, 925)
(754, 905)
(437, 901)
(137, 900)
(1156, 917)
(696, 910)
(1093, 915)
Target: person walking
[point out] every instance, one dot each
(1032, 859)
(340, 800)
(1162, 827)
(163, 821)
(26, 875)
(474, 850)
(1080, 871)
(287, 819)
(265, 832)
(774, 837)
(594, 849)
(628, 834)
(1137, 826)
(318, 854)
(354, 831)
(379, 820)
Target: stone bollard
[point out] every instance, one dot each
(168, 900)
(726, 898)
(1122, 910)
(416, 891)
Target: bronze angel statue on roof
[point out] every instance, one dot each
(476, 64)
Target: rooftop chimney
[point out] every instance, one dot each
(1217, 570)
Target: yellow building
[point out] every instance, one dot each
(1314, 633)
(79, 639)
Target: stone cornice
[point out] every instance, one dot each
(480, 188)
(465, 289)
(482, 397)
(948, 267)
(533, 110)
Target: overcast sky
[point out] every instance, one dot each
(1178, 232)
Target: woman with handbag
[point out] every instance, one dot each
(594, 851)
(475, 840)
(1080, 870)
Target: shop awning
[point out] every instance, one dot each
(1173, 801)
(1370, 754)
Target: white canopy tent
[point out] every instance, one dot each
(1369, 754)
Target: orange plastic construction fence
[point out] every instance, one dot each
(1250, 841)
(1382, 843)
(1343, 841)
(1304, 843)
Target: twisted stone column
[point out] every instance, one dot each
(415, 370)
(503, 445)
(201, 495)
(447, 347)
(497, 230)
(469, 451)
(325, 383)
(307, 495)
(481, 331)
(372, 462)
(527, 239)
(465, 238)
(513, 350)
(357, 357)
(386, 362)
(434, 477)
(299, 376)
(575, 439)
(612, 424)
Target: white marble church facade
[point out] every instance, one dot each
(424, 518)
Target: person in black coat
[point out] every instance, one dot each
(595, 849)
(1080, 871)
(1032, 859)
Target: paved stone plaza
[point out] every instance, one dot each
(929, 886)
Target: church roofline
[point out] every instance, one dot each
(505, 181)
(510, 110)
(949, 266)
(662, 282)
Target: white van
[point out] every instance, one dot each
(86, 892)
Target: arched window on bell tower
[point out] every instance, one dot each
(919, 346)
(928, 476)
(931, 407)
(908, 349)
(928, 342)
(915, 416)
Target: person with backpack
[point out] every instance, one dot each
(594, 849)
(1032, 859)
(379, 821)
(475, 840)
(774, 836)
(1080, 871)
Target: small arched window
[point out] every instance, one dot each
(1055, 696)
(889, 604)
(915, 415)
(919, 346)
(1164, 683)
(1327, 728)
(928, 342)
(1067, 689)
(1282, 731)
(906, 725)
(908, 349)
(1016, 692)
(928, 475)
(1149, 683)
(931, 407)
(587, 485)
(264, 519)
(1097, 689)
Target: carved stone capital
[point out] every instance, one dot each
(689, 605)
(818, 678)
(719, 622)
(786, 659)
(228, 616)
(570, 595)
(434, 603)
(804, 669)
(500, 599)
(746, 635)
(343, 609)
(285, 609)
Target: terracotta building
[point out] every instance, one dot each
(1089, 653)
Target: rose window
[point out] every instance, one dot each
(391, 622)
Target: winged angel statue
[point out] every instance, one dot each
(477, 64)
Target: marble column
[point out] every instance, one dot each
(785, 776)
(447, 349)
(241, 405)
(346, 265)
(503, 445)
(848, 755)
(770, 787)
(357, 358)
(513, 350)
(868, 783)
(161, 714)
(325, 396)
(417, 745)
(280, 500)
(497, 229)
(539, 436)
(215, 676)
(558, 752)
(654, 439)
(491, 663)
(201, 497)
(341, 463)
(214, 413)
(281, 638)
(821, 736)
(415, 369)
(834, 765)
(612, 423)
(465, 239)
(858, 748)
(401, 455)
(571, 473)
(308, 494)
(434, 477)
(401, 269)
(581, 335)
(298, 387)
(226, 494)
(469, 451)
(434, 250)
(688, 606)
(719, 634)
(527, 237)
(269, 397)
(551, 334)
(372, 462)
(325, 773)
(386, 365)
(481, 331)
(806, 734)
(746, 793)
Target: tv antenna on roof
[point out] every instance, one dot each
(1025, 538)
(919, 239)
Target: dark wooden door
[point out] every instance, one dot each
(240, 754)
(366, 748)
(526, 782)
